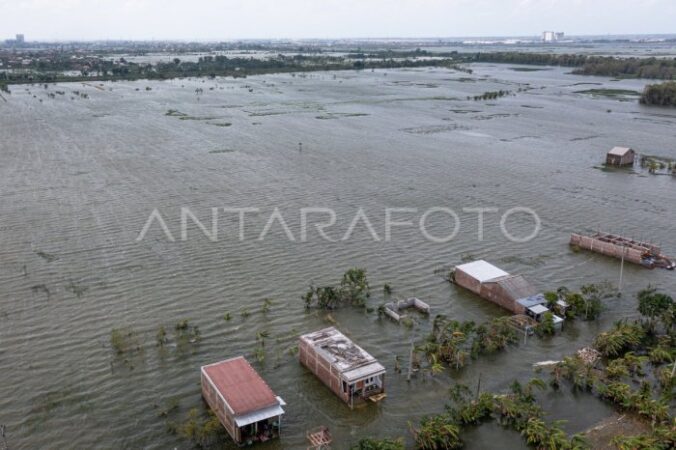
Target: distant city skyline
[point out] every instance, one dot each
(329, 19)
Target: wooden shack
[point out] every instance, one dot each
(243, 402)
(512, 292)
(620, 156)
(347, 369)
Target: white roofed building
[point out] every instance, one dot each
(620, 156)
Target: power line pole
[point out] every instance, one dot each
(619, 286)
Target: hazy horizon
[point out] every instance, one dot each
(216, 20)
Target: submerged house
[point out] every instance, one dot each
(350, 372)
(630, 250)
(620, 156)
(512, 292)
(243, 402)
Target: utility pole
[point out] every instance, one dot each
(410, 363)
(619, 286)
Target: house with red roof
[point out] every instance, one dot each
(242, 401)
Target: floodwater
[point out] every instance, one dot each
(80, 177)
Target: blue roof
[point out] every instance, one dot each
(537, 299)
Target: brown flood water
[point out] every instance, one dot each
(79, 178)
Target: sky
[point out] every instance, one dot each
(295, 19)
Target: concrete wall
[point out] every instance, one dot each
(322, 368)
(607, 248)
(466, 281)
(624, 160)
(493, 292)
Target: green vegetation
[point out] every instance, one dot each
(546, 326)
(629, 352)
(517, 410)
(267, 305)
(185, 333)
(437, 432)
(626, 352)
(379, 444)
(655, 68)
(454, 343)
(387, 290)
(657, 307)
(490, 95)
(202, 429)
(663, 94)
(125, 340)
(354, 290)
(585, 304)
(612, 93)
(108, 69)
(161, 336)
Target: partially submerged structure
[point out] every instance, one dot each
(395, 309)
(637, 252)
(512, 292)
(350, 372)
(243, 402)
(620, 156)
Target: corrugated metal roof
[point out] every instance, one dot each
(259, 415)
(538, 309)
(537, 299)
(517, 287)
(619, 151)
(341, 352)
(240, 385)
(482, 271)
(370, 370)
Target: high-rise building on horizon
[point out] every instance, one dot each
(552, 36)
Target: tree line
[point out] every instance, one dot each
(663, 94)
(653, 68)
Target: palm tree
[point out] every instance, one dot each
(437, 433)
(536, 432)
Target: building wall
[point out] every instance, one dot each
(624, 160)
(222, 411)
(493, 292)
(607, 248)
(466, 281)
(321, 368)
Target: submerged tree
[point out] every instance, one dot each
(657, 306)
(354, 290)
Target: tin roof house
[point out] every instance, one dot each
(512, 292)
(620, 156)
(243, 402)
(347, 369)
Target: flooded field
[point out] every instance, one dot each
(81, 174)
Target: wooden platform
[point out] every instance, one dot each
(319, 438)
(378, 397)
